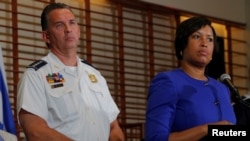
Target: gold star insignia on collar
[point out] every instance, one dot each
(92, 78)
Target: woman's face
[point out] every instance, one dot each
(200, 47)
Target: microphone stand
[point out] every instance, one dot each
(241, 109)
(237, 99)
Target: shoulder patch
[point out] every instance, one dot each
(86, 62)
(37, 64)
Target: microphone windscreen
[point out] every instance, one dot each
(224, 76)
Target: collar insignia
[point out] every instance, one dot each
(92, 78)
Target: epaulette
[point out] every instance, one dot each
(86, 62)
(37, 64)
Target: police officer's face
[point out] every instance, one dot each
(63, 32)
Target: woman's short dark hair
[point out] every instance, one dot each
(48, 9)
(188, 27)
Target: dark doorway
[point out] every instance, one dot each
(217, 67)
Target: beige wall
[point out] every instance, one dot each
(232, 10)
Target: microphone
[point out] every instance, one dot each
(226, 79)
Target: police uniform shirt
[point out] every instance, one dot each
(6, 136)
(75, 102)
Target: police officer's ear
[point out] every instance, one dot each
(45, 36)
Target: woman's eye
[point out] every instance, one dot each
(195, 36)
(210, 39)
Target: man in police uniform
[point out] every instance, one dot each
(60, 97)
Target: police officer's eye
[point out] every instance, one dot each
(73, 23)
(59, 25)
